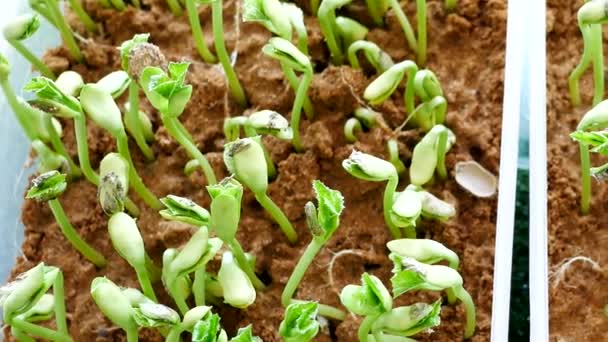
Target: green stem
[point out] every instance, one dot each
(296, 111)
(327, 22)
(72, 236)
(294, 82)
(585, 178)
(80, 128)
(469, 308)
(583, 65)
(198, 286)
(365, 327)
(35, 61)
(222, 54)
(136, 182)
(598, 64)
(145, 283)
(421, 26)
(239, 254)
(59, 300)
(133, 113)
(174, 334)
(393, 156)
(295, 279)
(64, 30)
(375, 11)
(118, 4)
(44, 12)
(351, 128)
(314, 7)
(25, 121)
(197, 32)
(131, 207)
(278, 216)
(132, 334)
(21, 336)
(410, 232)
(153, 270)
(175, 7)
(405, 25)
(173, 127)
(442, 141)
(180, 301)
(389, 194)
(36, 330)
(451, 296)
(58, 145)
(89, 24)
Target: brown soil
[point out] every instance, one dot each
(576, 303)
(466, 51)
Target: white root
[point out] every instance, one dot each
(558, 272)
(330, 268)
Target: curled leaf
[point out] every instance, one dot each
(47, 186)
(300, 323)
(184, 210)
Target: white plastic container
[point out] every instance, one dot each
(14, 154)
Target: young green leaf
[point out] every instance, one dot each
(409, 320)
(367, 167)
(300, 323)
(167, 91)
(331, 204)
(114, 183)
(371, 298)
(206, 329)
(225, 207)
(245, 335)
(49, 95)
(21, 27)
(270, 14)
(47, 186)
(184, 210)
(152, 315)
(424, 250)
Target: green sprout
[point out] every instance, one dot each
(225, 216)
(25, 301)
(350, 31)
(590, 16)
(51, 11)
(244, 158)
(385, 85)
(208, 329)
(184, 210)
(380, 60)
(129, 244)
(300, 323)
(367, 167)
(133, 119)
(236, 285)
(114, 185)
(115, 305)
(192, 258)
(406, 321)
(47, 188)
(410, 275)
(377, 9)
(370, 299)
(103, 110)
(429, 155)
(413, 203)
(432, 110)
(19, 29)
(322, 223)
(291, 58)
(282, 19)
(245, 335)
(329, 28)
(169, 95)
(197, 31)
(261, 122)
(51, 99)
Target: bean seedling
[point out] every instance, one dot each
(329, 28)
(300, 323)
(225, 216)
(322, 223)
(114, 185)
(115, 305)
(47, 188)
(101, 108)
(596, 118)
(291, 58)
(429, 155)
(169, 95)
(590, 16)
(380, 60)
(197, 31)
(385, 85)
(245, 159)
(236, 286)
(19, 29)
(133, 115)
(410, 275)
(373, 169)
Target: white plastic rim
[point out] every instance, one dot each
(507, 181)
(537, 107)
